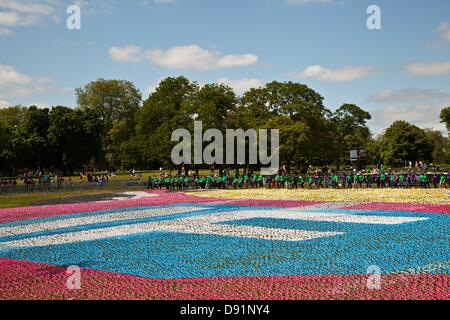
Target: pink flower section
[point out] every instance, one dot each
(163, 198)
(31, 281)
(432, 208)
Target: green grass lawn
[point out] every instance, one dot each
(28, 199)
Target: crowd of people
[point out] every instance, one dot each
(368, 178)
(46, 180)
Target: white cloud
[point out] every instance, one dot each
(29, 7)
(14, 84)
(22, 13)
(165, 1)
(306, 2)
(190, 57)
(25, 91)
(444, 31)
(422, 115)
(126, 54)
(421, 107)
(348, 73)
(9, 75)
(5, 32)
(410, 95)
(433, 68)
(241, 85)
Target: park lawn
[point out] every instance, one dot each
(28, 199)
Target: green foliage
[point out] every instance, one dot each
(113, 129)
(72, 138)
(440, 144)
(111, 100)
(350, 130)
(445, 117)
(405, 142)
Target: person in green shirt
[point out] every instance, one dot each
(235, 182)
(335, 181)
(401, 180)
(360, 180)
(208, 182)
(369, 180)
(310, 182)
(150, 184)
(383, 180)
(295, 181)
(423, 179)
(246, 178)
(302, 181)
(349, 181)
(442, 180)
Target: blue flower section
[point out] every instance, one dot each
(394, 248)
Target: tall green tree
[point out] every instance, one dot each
(439, 143)
(299, 105)
(72, 138)
(405, 142)
(115, 102)
(30, 141)
(160, 116)
(6, 151)
(445, 117)
(350, 130)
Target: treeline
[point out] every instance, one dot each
(113, 128)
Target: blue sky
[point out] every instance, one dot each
(399, 72)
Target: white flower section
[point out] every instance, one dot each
(110, 217)
(208, 225)
(308, 216)
(187, 226)
(133, 195)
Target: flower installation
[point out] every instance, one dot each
(250, 244)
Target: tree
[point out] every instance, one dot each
(115, 102)
(160, 116)
(405, 142)
(12, 116)
(73, 139)
(439, 143)
(350, 130)
(6, 162)
(30, 143)
(445, 117)
(112, 100)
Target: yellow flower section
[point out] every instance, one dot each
(417, 196)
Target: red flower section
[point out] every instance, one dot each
(26, 280)
(163, 198)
